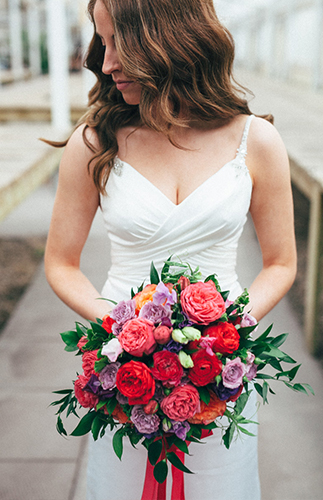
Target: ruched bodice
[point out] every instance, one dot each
(204, 229)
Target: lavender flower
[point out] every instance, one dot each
(94, 386)
(159, 392)
(163, 294)
(108, 375)
(145, 424)
(155, 312)
(233, 372)
(248, 320)
(124, 311)
(116, 329)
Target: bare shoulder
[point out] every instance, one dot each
(83, 142)
(267, 153)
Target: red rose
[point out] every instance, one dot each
(107, 323)
(182, 403)
(85, 398)
(167, 368)
(137, 337)
(202, 303)
(88, 360)
(205, 369)
(134, 380)
(226, 337)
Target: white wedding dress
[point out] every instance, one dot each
(144, 225)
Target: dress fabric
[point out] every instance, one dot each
(204, 229)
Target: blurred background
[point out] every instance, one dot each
(43, 92)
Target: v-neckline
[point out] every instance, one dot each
(188, 196)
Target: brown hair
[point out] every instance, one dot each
(180, 54)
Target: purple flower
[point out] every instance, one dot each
(155, 312)
(233, 372)
(185, 322)
(180, 429)
(163, 296)
(108, 375)
(251, 371)
(94, 386)
(173, 346)
(145, 424)
(159, 392)
(124, 311)
(224, 393)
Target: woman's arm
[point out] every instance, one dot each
(272, 213)
(76, 203)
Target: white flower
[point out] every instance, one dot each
(112, 349)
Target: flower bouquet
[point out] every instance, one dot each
(165, 366)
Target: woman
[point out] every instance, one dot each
(157, 151)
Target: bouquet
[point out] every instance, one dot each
(166, 365)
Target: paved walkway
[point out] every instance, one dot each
(37, 464)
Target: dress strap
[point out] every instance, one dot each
(242, 149)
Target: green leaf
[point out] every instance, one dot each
(60, 427)
(244, 431)
(176, 461)
(117, 442)
(278, 341)
(300, 388)
(258, 388)
(161, 471)
(228, 435)
(265, 334)
(241, 403)
(264, 376)
(265, 388)
(84, 425)
(154, 451)
(154, 277)
(309, 388)
(70, 338)
(100, 364)
(111, 404)
(181, 445)
(204, 394)
(63, 391)
(100, 405)
(96, 426)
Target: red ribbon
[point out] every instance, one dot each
(157, 491)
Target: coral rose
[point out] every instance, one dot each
(145, 296)
(81, 343)
(226, 337)
(182, 403)
(167, 368)
(85, 398)
(137, 337)
(134, 380)
(202, 303)
(210, 412)
(205, 368)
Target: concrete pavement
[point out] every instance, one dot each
(37, 464)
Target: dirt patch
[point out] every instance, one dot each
(19, 258)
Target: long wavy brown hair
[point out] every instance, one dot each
(180, 54)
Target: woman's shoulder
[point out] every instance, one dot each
(84, 138)
(266, 149)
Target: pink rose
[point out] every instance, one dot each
(137, 337)
(81, 343)
(162, 334)
(202, 303)
(182, 403)
(232, 373)
(85, 398)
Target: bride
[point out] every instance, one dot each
(172, 155)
